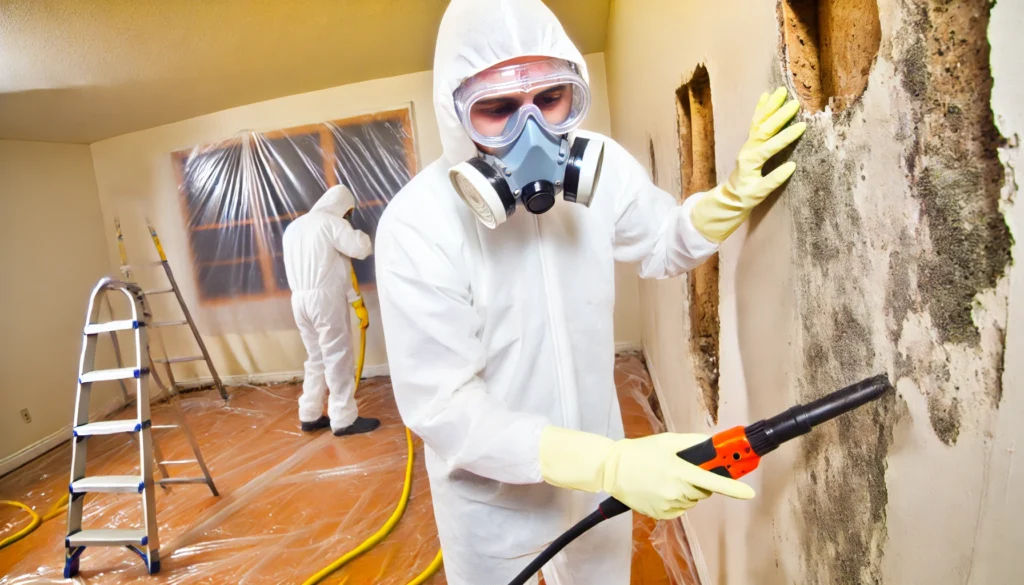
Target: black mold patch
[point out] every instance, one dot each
(970, 238)
(945, 418)
(953, 161)
(652, 159)
(941, 118)
(844, 504)
(899, 300)
(842, 498)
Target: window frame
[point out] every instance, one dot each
(264, 255)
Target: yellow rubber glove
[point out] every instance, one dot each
(727, 206)
(645, 474)
(361, 312)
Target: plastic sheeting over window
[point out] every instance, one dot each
(239, 195)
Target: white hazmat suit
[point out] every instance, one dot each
(317, 249)
(494, 334)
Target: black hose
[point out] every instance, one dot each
(596, 517)
(764, 436)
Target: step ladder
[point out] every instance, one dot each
(145, 541)
(171, 288)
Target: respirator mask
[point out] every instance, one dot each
(524, 116)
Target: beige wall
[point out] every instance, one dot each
(135, 179)
(896, 496)
(1001, 529)
(52, 254)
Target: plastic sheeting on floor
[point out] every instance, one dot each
(291, 502)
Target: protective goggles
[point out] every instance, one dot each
(495, 104)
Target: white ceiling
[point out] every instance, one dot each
(84, 70)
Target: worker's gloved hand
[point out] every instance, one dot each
(645, 474)
(724, 208)
(361, 312)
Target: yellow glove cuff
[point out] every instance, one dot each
(573, 459)
(716, 215)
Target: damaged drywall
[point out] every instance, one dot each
(845, 462)
(698, 174)
(953, 159)
(900, 248)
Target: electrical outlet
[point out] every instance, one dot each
(25, 416)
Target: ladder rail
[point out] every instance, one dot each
(180, 423)
(174, 288)
(184, 309)
(191, 438)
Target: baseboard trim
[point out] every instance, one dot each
(56, 439)
(669, 424)
(628, 347)
(371, 371)
(700, 564)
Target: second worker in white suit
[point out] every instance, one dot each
(318, 247)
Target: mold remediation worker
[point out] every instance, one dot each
(497, 301)
(318, 247)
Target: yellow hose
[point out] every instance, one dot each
(380, 534)
(58, 507)
(37, 520)
(364, 324)
(32, 525)
(429, 572)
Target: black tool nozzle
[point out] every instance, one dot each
(766, 435)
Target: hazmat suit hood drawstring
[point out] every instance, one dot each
(477, 34)
(338, 200)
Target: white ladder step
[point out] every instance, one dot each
(111, 484)
(177, 462)
(108, 537)
(180, 480)
(164, 427)
(179, 360)
(109, 326)
(115, 374)
(168, 323)
(158, 291)
(108, 427)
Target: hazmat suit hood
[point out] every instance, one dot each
(338, 200)
(477, 34)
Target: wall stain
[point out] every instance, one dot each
(945, 418)
(899, 300)
(954, 165)
(845, 460)
(942, 120)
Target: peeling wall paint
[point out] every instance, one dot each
(888, 251)
(947, 245)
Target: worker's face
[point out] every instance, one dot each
(490, 116)
(348, 214)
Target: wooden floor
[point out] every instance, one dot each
(290, 502)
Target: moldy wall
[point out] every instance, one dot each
(888, 251)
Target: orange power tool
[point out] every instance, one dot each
(735, 452)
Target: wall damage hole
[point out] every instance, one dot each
(830, 46)
(652, 159)
(697, 169)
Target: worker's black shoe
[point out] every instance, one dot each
(321, 423)
(362, 425)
